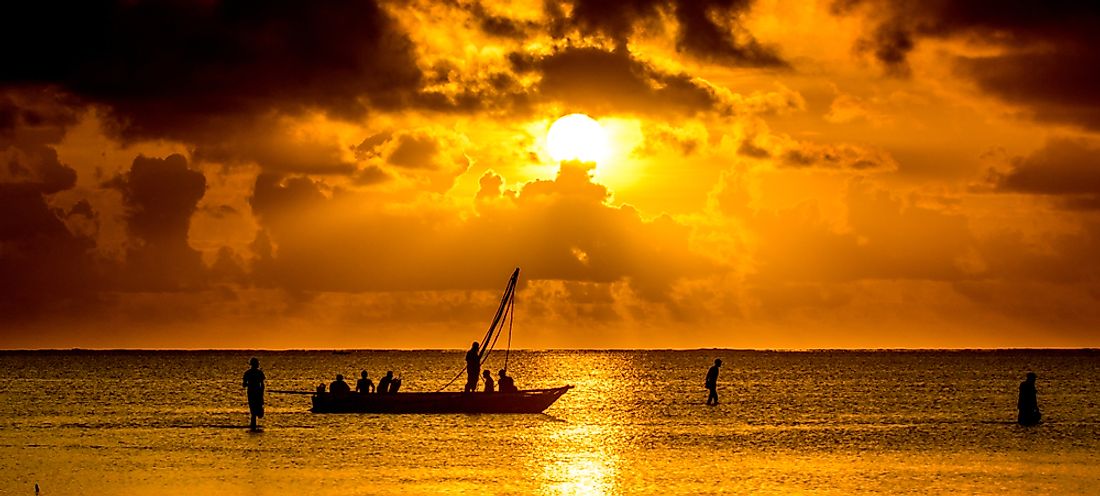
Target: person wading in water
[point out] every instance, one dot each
(712, 382)
(254, 382)
(1028, 403)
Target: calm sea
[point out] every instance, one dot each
(836, 422)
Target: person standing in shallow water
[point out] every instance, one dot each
(712, 382)
(254, 382)
(473, 365)
(1028, 404)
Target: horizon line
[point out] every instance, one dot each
(793, 350)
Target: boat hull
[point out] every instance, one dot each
(527, 401)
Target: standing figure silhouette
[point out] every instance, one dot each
(712, 382)
(473, 365)
(254, 382)
(1028, 404)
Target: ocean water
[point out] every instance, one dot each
(834, 422)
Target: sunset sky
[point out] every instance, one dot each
(367, 174)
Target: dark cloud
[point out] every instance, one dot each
(46, 268)
(1047, 61)
(496, 25)
(1066, 169)
(34, 116)
(31, 123)
(788, 152)
(35, 166)
(599, 81)
(707, 29)
(186, 70)
(276, 147)
(415, 152)
(430, 158)
(160, 196)
(835, 156)
(275, 197)
(559, 230)
(1056, 85)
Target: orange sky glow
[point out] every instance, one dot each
(366, 174)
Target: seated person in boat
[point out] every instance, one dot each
(321, 388)
(487, 378)
(384, 382)
(395, 384)
(364, 385)
(339, 387)
(507, 385)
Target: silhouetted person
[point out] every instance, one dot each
(712, 382)
(254, 382)
(321, 388)
(1028, 404)
(364, 385)
(487, 378)
(395, 384)
(507, 385)
(473, 364)
(339, 387)
(384, 382)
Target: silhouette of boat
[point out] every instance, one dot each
(526, 401)
(523, 401)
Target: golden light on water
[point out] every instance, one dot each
(586, 464)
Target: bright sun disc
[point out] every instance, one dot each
(577, 137)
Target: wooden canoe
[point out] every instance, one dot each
(526, 401)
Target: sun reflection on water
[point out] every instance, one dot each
(584, 462)
(582, 455)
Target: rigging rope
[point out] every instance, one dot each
(511, 317)
(504, 310)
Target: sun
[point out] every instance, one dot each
(577, 137)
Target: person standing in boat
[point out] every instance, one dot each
(507, 385)
(712, 382)
(364, 385)
(254, 382)
(339, 387)
(487, 378)
(1028, 403)
(473, 364)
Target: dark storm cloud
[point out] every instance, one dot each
(160, 196)
(1048, 60)
(46, 268)
(185, 70)
(31, 123)
(707, 29)
(599, 81)
(1066, 169)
